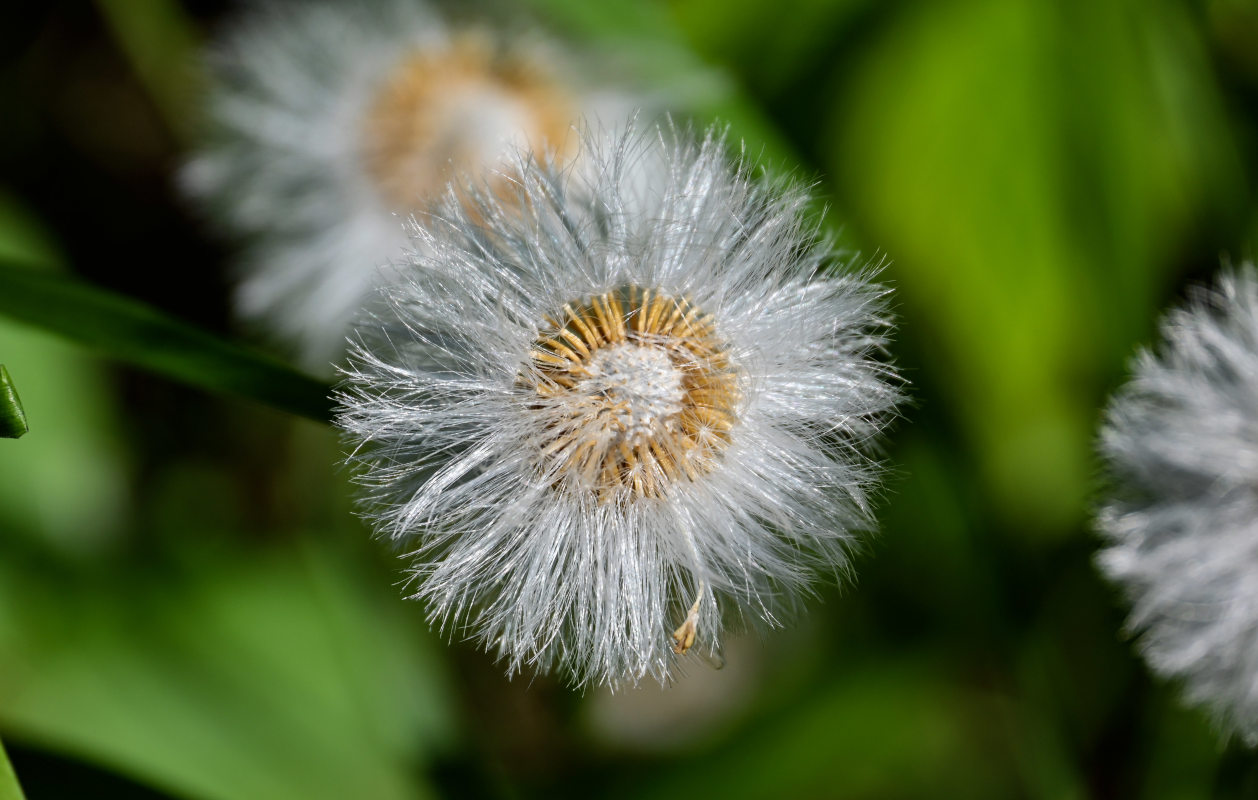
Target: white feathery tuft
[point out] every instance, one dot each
(497, 459)
(1181, 442)
(285, 163)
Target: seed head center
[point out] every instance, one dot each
(640, 385)
(632, 392)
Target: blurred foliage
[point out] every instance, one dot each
(188, 607)
(159, 42)
(223, 675)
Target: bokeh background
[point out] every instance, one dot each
(188, 607)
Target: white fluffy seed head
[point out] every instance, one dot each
(639, 384)
(326, 121)
(607, 415)
(1181, 442)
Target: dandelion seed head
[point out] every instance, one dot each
(606, 405)
(328, 123)
(1181, 442)
(462, 108)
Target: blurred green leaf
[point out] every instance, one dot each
(133, 332)
(238, 674)
(67, 485)
(158, 40)
(12, 417)
(9, 788)
(895, 729)
(1183, 750)
(775, 42)
(646, 30)
(23, 239)
(1030, 168)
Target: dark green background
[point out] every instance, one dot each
(189, 608)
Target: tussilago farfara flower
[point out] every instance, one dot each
(1181, 440)
(607, 418)
(327, 118)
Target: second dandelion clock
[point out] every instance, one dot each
(327, 123)
(607, 409)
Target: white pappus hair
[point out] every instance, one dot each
(302, 167)
(1181, 442)
(615, 399)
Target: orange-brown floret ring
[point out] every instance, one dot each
(638, 393)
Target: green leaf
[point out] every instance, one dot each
(1032, 169)
(9, 788)
(646, 32)
(68, 485)
(158, 39)
(229, 674)
(23, 240)
(771, 44)
(129, 331)
(12, 417)
(898, 728)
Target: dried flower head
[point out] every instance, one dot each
(327, 119)
(1181, 440)
(606, 416)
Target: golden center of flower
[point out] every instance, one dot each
(636, 393)
(461, 108)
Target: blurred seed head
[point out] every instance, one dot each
(1181, 442)
(463, 107)
(330, 122)
(608, 415)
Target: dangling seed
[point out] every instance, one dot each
(684, 636)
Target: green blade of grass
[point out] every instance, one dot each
(12, 417)
(132, 332)
(9, 788)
